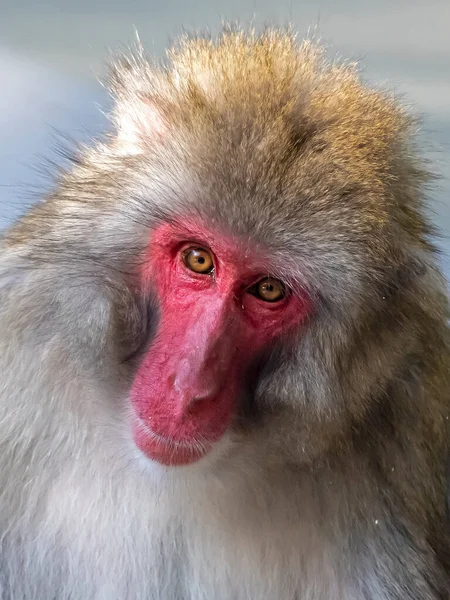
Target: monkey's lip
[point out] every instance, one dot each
(167, 451)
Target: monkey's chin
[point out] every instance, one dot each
(170, 453)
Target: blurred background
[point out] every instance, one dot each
(52, 51)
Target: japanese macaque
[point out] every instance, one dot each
(224, 353)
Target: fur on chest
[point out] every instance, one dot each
(162, 538)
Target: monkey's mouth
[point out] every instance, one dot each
(167, 451)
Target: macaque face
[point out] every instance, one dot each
(221, 306)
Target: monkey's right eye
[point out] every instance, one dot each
(198, 260)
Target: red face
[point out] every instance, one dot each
(219, 310)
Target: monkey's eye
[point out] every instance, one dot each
(269, 290)
(198, 260)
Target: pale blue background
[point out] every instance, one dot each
(52, 51)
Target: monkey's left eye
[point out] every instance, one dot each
(198, 260)
(269, 290)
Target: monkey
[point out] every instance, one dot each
(224, 351)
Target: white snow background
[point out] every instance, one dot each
(40, 112)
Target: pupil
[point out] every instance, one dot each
(201, 260)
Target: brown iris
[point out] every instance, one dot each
(270, 290)
(198, 260)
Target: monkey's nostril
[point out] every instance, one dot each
(198, 405)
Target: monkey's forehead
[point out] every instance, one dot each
(266, 90)
(261, 121)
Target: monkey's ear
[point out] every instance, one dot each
(138, 113)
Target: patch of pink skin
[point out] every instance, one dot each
(185, 391)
